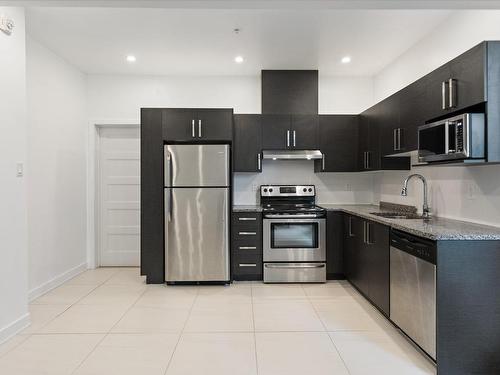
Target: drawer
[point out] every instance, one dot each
(294, 272)
(247, 222)
(248, 237)
(247, 256)
(247, 269)
(239, 248)
(248, 241)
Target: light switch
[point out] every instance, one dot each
(20, 169)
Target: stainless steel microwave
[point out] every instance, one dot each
(456, 138)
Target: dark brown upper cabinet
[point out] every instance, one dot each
(286, 132)
(412, 114)
(276, 134)
(391, 133)
(338, 142)
(197, 125)
(459, 84)
(304, 132)
(247, 146)
(288, 92)
(369, 139)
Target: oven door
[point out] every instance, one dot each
(294, 240)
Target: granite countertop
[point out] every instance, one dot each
(247, 207)
(435, 229)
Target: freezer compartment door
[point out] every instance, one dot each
(196, 165)
(196, 234)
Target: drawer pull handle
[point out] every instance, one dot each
(297, 266)
(247, 233)
(248, 247)
(248, 265)
(247, 219)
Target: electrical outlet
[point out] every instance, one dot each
(255, 187)
(348, 187)
(19, 170)
(471, 190)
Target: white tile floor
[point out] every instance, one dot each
(108, 321)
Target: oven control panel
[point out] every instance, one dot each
(287, 191)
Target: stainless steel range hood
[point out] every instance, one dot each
(292, 154)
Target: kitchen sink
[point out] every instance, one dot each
(397, 215)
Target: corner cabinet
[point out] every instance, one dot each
(366, 259)
(197, 125)
(338, 142)
(247, 146)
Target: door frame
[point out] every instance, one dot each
(94, 127)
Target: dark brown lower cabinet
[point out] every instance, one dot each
(246, 246)
(334, 245)
(366, 259)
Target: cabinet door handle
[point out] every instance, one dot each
(247, 233)
(351, 234)
(451, 92)
(248, 247)
(294, 138)
(192, 129)
(247, 265)
(368, 160)
(394, 139)
(288, 138)
(399, 138)
(247, 219)
(323, 157)
(367, 233)
(259, 162)
(443, 95)
(199, 128)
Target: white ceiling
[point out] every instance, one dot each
(202, 41)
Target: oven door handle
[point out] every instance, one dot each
(307, 216)
(295, 266)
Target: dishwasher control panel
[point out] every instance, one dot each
(420, 247)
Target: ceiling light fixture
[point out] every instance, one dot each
(239, 59)
(131, 58)
(346, 59)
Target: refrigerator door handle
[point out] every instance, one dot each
(170, 177)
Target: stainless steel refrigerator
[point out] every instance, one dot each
(197, 183)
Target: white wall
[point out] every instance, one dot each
(462, 30)
(13, 244)
(57, 123)
(344, 95)
(342, 188)
(469, 193)
(121, 97)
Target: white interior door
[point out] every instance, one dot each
(119, 196)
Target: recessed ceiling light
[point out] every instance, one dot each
(131, 58)
(239, 59)
(346, 59)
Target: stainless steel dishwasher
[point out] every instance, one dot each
(413, 289)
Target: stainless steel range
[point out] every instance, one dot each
(294, 234)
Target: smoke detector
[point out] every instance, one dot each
(6, 25)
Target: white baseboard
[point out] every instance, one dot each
(56, 281)
(11, 329)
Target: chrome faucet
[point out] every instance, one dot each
(404, 192)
